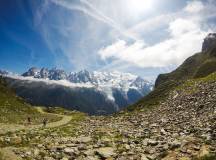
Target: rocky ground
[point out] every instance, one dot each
(181, 128)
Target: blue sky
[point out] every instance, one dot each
(143, 37)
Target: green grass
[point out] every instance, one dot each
(185, 71)
(155, 97)
(197, 66)
(160, 93)
(14, 109)
(207, 157)
(190, 86)
(206, 68)
(59, 110)
(29, 138)
(1, 156)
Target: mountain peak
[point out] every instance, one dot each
(209, 42)
(3, 72)
(32, 72)
(99, 79)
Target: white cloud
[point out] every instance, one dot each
(89, 9)
(182, 26)
(186, 31)
(185, 39)
(173, 35)
(52, 82)
(194, 6)
(152, 24)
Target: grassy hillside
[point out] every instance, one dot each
(198, 66)
(88, 100)
(154, 97)
(206, 68)
(160, 93)
(13, 109)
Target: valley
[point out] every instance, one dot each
(173, 130)
(175, 121)
(94, 93)
(107, 80)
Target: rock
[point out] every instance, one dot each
(89, 152)
(36, 152)
(163, 132)
(143, 157)
(82, 147)
(1, 139)
(209, 42)
(48, 158)
(152, 142)
(16, 140)
(196, 148)
(69, 151)
(149, 150)
(127, 147)
(28, 153)
(40, 145)
(84, 139)
(106, 152)
(203, 151)
(175, 144)
(92, 158)
(153, 125)
(151, 157)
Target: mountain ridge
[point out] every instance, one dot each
(110, 91)
(199, 65)
(193, 65)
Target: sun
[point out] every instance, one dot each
(139, 6)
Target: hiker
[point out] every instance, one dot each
(45, 122)
(29, 120)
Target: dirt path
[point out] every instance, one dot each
(4, 128)
(7, 153)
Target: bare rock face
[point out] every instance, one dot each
(32, 72)
(209, 42)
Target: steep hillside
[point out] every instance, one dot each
(197, 66)
(83, 99)
(13, 109)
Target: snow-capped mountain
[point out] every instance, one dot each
(123, 81)
(91, 92)
(2, 72)
(53, 74)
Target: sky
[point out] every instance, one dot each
(142, 37)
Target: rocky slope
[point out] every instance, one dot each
(177, 121)
(197, 66)
(181, 128)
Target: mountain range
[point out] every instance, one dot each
(176, 120)
(107, 92)
(90, 92)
